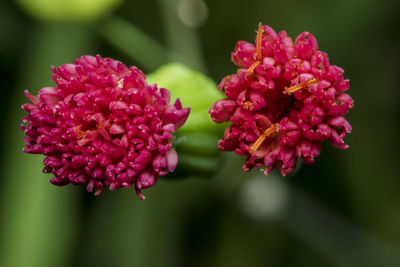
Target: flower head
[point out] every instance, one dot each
(103, 125)
(283, 102)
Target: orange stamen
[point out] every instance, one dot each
(81, 135)
(259, 41)
(260, 32)
(297, 87)
(268, 132)
(253, 66)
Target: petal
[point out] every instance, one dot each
(306, 45)
(172, 159)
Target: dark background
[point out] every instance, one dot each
(342, 211)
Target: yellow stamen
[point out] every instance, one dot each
(297, 87)
(268, 132)
(260, 32)
(248, 105)
(120, 83)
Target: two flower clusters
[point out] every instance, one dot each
(104, 126)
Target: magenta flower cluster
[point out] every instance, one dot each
(103, 126)
(283, 102)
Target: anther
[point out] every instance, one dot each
(259, 41)
(260, 32)
(267, 133)
(297, 87)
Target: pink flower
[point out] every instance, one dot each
(103, 125)
(283, 102)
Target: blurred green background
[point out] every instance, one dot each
(342, 211)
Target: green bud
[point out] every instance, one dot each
(197, 141)
(68, 10)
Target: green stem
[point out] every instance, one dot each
(135, 43)
(182, 40)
